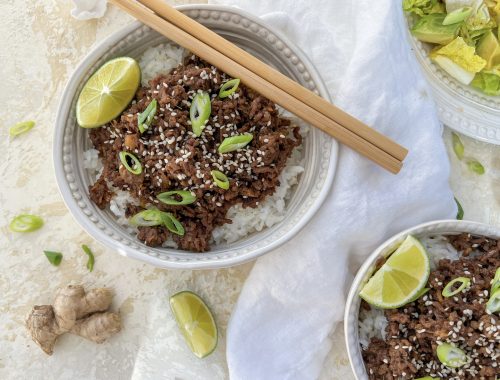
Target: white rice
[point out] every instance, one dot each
(372, 323)
(161, 59)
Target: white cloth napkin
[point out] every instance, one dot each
(294, 296)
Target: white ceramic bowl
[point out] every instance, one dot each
(366, 271)
(70, 142)
(461, 107)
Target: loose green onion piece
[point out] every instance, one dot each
(220, 179)
(146, 117)
(229, 88)
(21, 128)
(235, 142)
(91, 260)
(458, 146)
(475, 166)
(26, 223)
(172, 224)
(495, 284)
(493, 305)
(427, 378)
(54, 257)
(460, 211)
(200, 112)
(451, 356)
(169, 197)
(136, 168)
(450, 289)
(147, 218)
(458, 15)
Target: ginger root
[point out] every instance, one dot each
(74, 311)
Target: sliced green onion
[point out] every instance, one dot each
(136, 167)
(200, 112)
(220, 179)
(229, 88)
(172, 224)
(54, 257)
(169, 197)
(155, 217)
(26, 223)
(460, 211)
(458, 146)
(451, 356)
(458, 15)
(427, 378)
(235, 142)
(146, 117)
(475, 166)
(493, 305)
(147, 218)
(495, 284)
(449, 290)
(21, 128)
(91, 260)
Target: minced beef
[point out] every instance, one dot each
(173, 158)
(415, 330)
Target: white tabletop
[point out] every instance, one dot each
(40, 46)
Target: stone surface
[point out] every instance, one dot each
(40, 45)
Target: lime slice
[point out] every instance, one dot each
(108, 92)
(195, 321)
(401, 279)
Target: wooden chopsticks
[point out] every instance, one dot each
(269, 82)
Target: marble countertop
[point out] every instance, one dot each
(40, 46)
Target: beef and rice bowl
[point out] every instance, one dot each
(451, 330)
(194, 148)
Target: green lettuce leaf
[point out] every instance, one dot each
(423, 7)
(462, 54)
(488, 82)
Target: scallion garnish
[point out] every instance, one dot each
(147, 218)
(451, 289)
(229, 88)
(451, 356)
(155, 217)
(493, 304)
(172, 224)
(146, 117)
(460, 210)
(220, 179)
(136, 167)
(26, 223)
(458, 146)
(91, 260)
(21, 128)
(475, 166)
(235, 142)
(169, 197)
(200, 112)
(54, 257)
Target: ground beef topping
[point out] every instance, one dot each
(414, 331)
(173, 158)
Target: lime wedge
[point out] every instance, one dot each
(108, 92)
(195, 321)
(401, 279)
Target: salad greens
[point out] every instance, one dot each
(465, 36)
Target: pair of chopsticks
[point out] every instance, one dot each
(269, 82)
